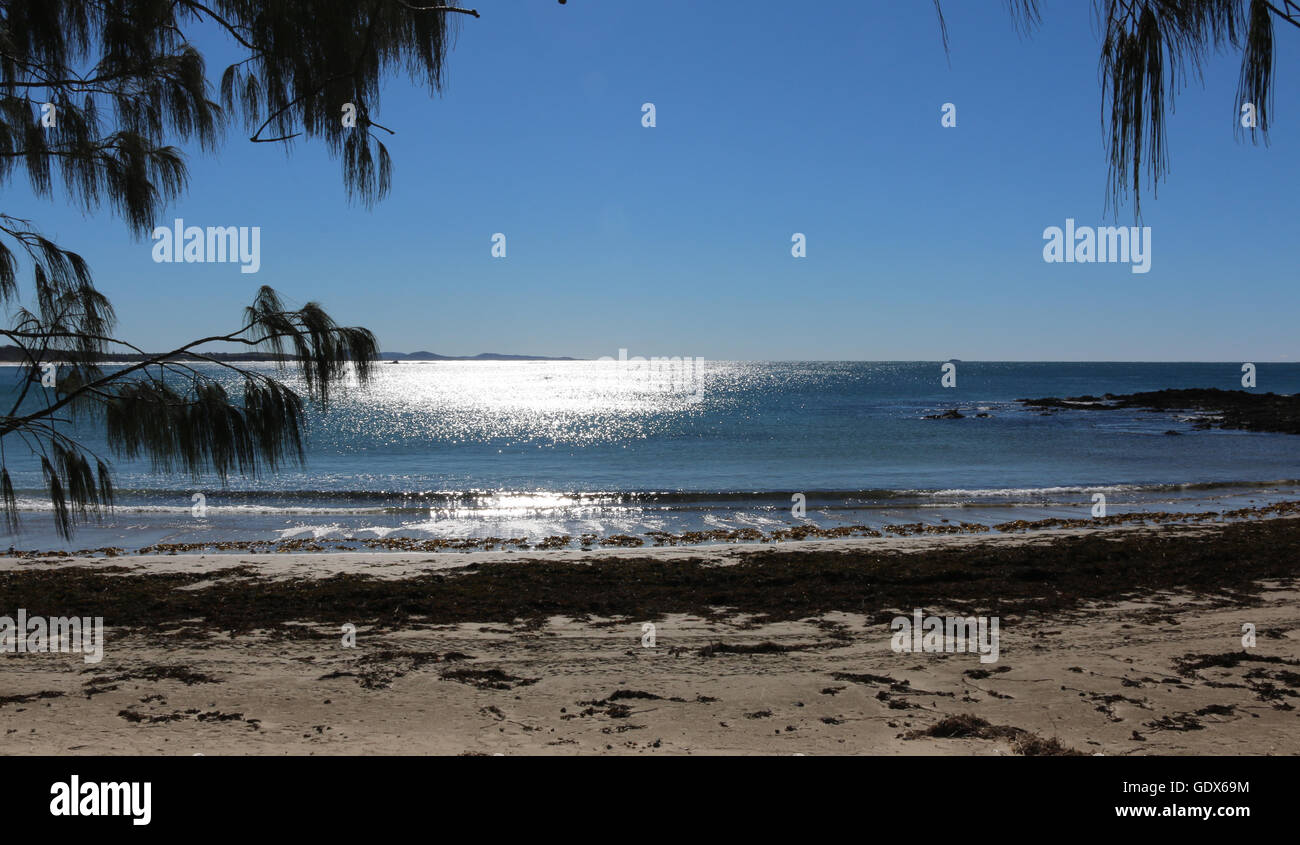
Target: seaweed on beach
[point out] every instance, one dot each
(377, 670)
(997, 577)
(27, 698)
(765, 647)
(153, 673)
(969, 726)
(965, 726)
(1190, 664)
(1176, 722)
(487, 678)
(194, 713)
(903, 687)
(1032, 745)
(1270, 682)
(623, 694)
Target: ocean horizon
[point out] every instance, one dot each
(538, 449)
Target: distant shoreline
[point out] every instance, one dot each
(13, 356)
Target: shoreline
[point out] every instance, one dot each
(282, 565)
(728, 538)
(1119, 640)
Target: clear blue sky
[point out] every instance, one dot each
(773, 118)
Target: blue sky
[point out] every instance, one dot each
(772, 118)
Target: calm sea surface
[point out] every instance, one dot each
(534, 449)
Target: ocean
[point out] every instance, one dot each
(535, 449)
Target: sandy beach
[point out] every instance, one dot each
(1118, 641)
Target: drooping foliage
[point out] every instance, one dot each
(1149, 48)
(95, 98)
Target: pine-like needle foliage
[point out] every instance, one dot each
(1149, 48)
(163, 407)
(94, 97)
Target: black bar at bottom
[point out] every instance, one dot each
(333, 795)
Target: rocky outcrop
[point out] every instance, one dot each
(1234, 409)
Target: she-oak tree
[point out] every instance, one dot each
(123, 82)
(1148, 48)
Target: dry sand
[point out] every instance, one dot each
(1102, 678)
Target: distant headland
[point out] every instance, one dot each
(14, 355)
(482, 356)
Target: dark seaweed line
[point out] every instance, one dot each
(1046, 577)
